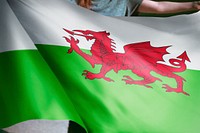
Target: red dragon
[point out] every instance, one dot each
(141, 58)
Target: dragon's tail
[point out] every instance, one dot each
(179, 62)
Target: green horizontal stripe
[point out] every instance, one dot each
(29, 90)
(116, 107)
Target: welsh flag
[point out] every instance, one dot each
(109, 75)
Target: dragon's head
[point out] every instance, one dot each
(89, 34)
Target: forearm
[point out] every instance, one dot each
(148, 6)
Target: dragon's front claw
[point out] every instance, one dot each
(70, 51)
(88, 75)
(85, 73)
(73, 43)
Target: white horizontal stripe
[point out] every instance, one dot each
(44, 20)
(12, 34)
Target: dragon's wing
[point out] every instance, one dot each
(146, 52)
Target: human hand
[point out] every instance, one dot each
(196, 5)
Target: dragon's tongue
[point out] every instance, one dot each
(68, 31)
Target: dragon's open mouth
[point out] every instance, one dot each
(87, 34)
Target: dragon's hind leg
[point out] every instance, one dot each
(179, 88)
(147, 79)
